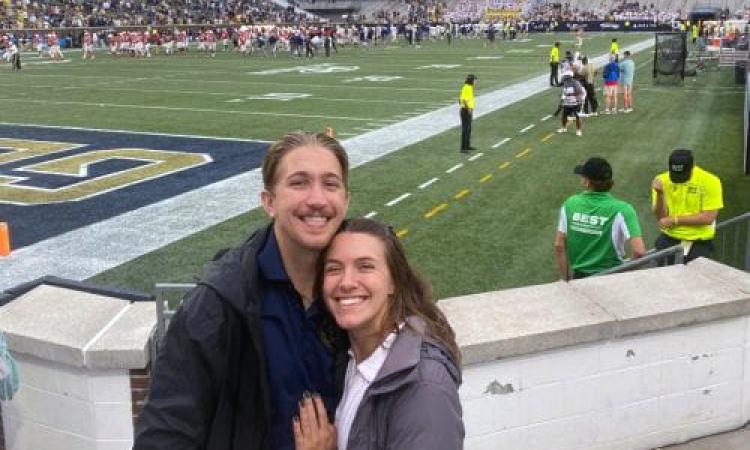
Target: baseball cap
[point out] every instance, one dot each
(595, 168)
(471, 77)
(680, 165)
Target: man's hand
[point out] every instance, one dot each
(657, 185)
(666, 222)
(312, 431)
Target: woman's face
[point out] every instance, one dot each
(357, 283)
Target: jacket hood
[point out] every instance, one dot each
(411, 347)
(235, 272)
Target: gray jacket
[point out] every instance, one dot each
(413, 402)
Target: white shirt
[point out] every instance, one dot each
(357, 381)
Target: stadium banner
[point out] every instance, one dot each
(602, 25)
(501, 14)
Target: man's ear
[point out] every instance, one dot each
(267, 200)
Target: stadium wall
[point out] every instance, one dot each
(633, 360)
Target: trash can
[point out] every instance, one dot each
(740, 72)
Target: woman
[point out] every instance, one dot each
(401, 386)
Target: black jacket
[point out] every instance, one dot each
(209, 388)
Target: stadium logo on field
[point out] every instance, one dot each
(277, 96)
(439, 66)
(374, 78)
(55, 180)
(314, 69)
(71, 178)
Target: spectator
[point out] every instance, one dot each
(686, 200)
(594, 226)
(611, 77)
(627, 72)
(8, 372)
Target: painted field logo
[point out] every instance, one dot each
(55, 180)
(62, 177)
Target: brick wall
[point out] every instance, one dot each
(638, 392)
(140, 386)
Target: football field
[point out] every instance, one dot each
(471, 223)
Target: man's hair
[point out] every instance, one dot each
(412, 294)
(291, 141)
(601, 186)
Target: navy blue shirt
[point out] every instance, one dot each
(296, 358)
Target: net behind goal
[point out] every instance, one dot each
(670, 54)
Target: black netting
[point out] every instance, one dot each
(669, 57)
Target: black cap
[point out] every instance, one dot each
(471, 77)
(596, 169)
(680, 165)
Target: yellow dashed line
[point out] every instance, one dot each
(401, 233)
(525, 152)
(435, 210)
(504, 165)
(548, 137)
(485, 178)
(461, 194)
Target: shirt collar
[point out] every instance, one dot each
(370, 367)
(269, 260)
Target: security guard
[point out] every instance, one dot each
(554, 62)
(614, 49)
(466, 101)
(686, 200)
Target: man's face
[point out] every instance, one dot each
(309, 200)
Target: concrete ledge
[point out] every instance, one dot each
(514, 322)
(79, 329)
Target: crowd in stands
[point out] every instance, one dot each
(118, 13)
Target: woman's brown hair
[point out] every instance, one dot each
(412, 294)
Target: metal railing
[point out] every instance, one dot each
(731, 247)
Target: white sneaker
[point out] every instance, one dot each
(594, 114)
(583, 115)
(628, 110)
(579, 133)
(622, 110)
(562, 130)
(606, 111)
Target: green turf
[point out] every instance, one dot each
(499, 234)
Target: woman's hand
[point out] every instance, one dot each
(312, 431)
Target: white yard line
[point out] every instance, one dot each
(175, 108)
(547, 117)
(454, 168)
(475, 157)
(371, 214)
(87, 251)
(398, 199)
(501, 143)
(144, 133)
(523, 130)
(428, 182)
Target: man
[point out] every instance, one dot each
(589, 72)
(627, 73)
(572, 98)
(594, 226)
(554, 62)
(686, 200)
(252, 338)
(466, 101)
(614, 48)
